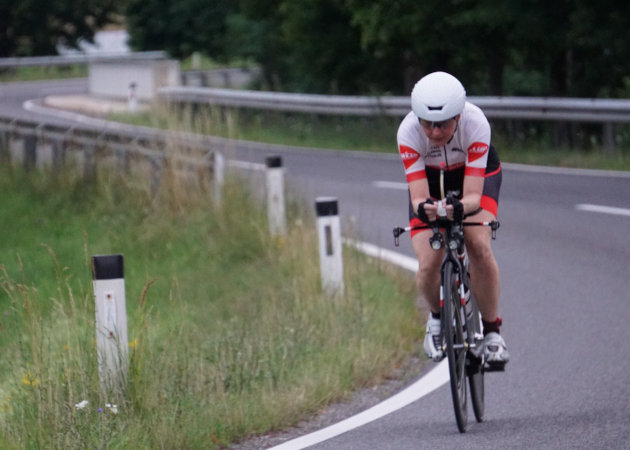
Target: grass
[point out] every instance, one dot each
(372, 134)
(342, 133)
(230, 334)
(43, 73)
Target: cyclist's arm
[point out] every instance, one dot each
(473, 188)
(419, 192)
(471, 199)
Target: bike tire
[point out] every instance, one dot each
(455, 344)
(475, 364)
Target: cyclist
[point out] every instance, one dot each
(443, 130)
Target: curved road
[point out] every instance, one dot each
(565, 301)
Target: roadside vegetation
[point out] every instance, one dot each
(531, 144)
(230, 334)
(43, 73)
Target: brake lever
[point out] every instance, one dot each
(494, 225)
(397, 232)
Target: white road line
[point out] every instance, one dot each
(406, 262)
(566, 171)
(390, 185)
(603, 209)
(427, 384)
(33, 107)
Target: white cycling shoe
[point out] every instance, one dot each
(495, 350)
(433, 340)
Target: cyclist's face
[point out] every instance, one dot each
(439, 133)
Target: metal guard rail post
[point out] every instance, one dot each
(117, 143)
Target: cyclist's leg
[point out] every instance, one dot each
(486, 286)
(484, 271)
(428, 275)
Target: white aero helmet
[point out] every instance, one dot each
(438, 96)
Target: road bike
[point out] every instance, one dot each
(462, 328)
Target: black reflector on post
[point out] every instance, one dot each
(327, 206)
(274, 161)
(107, 267)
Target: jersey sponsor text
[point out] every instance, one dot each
(409, 156)
(476, 151)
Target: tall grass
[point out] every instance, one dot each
(533, 145)
(230, 333)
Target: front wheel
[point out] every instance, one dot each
(453, 329)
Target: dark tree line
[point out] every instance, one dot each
(35, 27)
(511, 47)
(575, 48)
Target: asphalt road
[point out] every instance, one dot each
(565, 301)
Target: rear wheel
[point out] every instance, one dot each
(455, 344)
(475, 363)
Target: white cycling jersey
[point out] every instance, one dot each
(465, 153)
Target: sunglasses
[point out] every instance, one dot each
(441, 125)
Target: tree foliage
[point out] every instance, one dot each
(179, 27)
(35, 27)
(522, 47)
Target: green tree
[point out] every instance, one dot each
(35, 27)
(255, 33)
(179, 27)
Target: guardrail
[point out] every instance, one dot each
(38, 145)
(533, 108)
(607, 111)
(309, 103)
(71, 60)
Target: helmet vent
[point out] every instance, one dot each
(435, 108)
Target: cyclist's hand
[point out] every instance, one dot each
(454, 209)
(427, 211)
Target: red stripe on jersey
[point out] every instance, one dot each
(448, 168)
(494, 173)
(474, 172)
(409, 156)
(489, 204)
(476, 151)
(420, 175)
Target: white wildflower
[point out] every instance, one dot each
(81, 405)
(112, 408)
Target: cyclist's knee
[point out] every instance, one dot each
(478, 247)
(427, 273)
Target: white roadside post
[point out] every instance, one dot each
(133, 97)
(329, 231)
(218, 176)
(275, 196)
(196, 61)
(111, 320)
